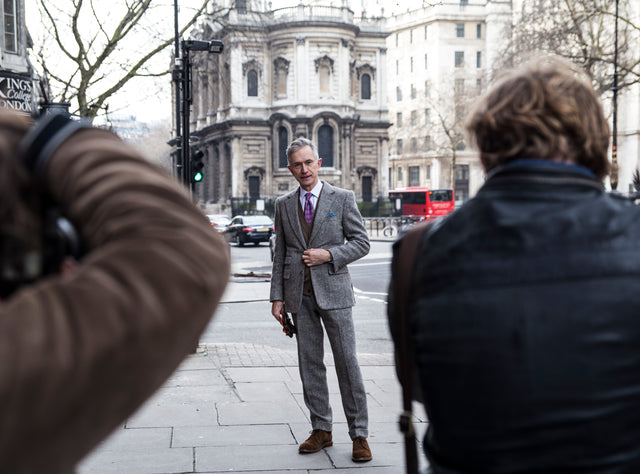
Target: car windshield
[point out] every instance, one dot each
(257, 220)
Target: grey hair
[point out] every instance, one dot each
(298, 143)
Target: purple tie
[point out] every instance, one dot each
(308, 208)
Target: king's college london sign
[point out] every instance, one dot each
(16, 92)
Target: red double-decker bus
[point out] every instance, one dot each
(423, 202)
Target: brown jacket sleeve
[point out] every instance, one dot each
(80, 353)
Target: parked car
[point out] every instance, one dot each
(219, 221)
(245, 229)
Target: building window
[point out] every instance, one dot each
(460, 146)
(399, 119)
(459, 58)
(479, 86)
(462, 172)
(464, 3)
(10, 26)
(460, 111)
(397, 39)
(479, 30)
(281, 71)
(390, 176)
(399, 152)
(283, 143)
(252, 83)
(254, 187)
(427, 89)
(414, 144)
(400, 168)
(241, 5)
(414, 92)
(411, 36)
(461, 185)
(414, 118)
(324, 73)
(365, 87)
(428, 146)
(411, 63)
(428, 171)
(397, 67)
(459, 86)
(427, 116)
(414, 176)
(459, 30)
(281, 82)
(479, 59)
(426, 63)
(398, 94)
(426, 31)
(367, 188)
(325, 145)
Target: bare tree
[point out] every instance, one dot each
(91, 50)
(154, 147)
(450, 104)
(579, 30)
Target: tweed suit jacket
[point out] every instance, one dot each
(338, 228)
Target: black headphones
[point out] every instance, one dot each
(59, 238)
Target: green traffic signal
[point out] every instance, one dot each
(196, 166)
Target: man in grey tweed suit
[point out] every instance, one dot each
(314, 244)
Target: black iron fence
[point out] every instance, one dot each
(250, 206)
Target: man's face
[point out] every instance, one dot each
(304, 167)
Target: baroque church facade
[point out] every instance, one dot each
(305, 71)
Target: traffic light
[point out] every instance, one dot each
(197, 165)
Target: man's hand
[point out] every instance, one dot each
(277, 310)
(313, 257)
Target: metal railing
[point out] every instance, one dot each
(388, 227)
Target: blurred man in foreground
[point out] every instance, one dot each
(524, 312)
(82, 349)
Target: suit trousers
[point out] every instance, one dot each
(313, 373)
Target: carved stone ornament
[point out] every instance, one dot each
(281, 63)
(254, 171)
(253, 64)
(366, 171)
(324, 61)
(366, 68)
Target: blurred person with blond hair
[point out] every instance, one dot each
(524, 301)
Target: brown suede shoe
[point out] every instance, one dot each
(319, 439)
(361, 450)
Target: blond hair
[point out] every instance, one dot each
(546, 109)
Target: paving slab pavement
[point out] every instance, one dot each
(237, 407)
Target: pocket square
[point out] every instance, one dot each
(331, 214)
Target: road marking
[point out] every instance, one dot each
(368, 264)
(363, 295)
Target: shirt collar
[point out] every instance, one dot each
(315, 191)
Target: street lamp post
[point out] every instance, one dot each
(177, 67)
(213, 46)
(614, 138)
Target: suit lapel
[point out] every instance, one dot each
(291, 206)
(322, 210)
